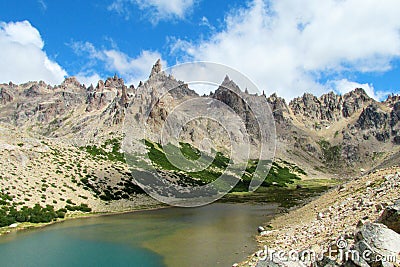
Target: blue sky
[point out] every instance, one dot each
(284, 46)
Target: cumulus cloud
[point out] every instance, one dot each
(132, 69)
(289, 47)
(156, 10)
(22, 56)
(344, 86)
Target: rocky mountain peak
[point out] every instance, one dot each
(157, 67)
(278, 107)
(357, 93)
(228, 84)
(392, 99)
(71, 81)
(114, 82)
(330, 107)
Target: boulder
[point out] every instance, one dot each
(260, 229)
(378, 245)
(391, 217)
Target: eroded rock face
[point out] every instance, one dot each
(354, 101)
(297, 123)
(230, 94)
(308, 105)
(48, 111)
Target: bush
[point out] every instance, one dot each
(37, 214)
(82, 207)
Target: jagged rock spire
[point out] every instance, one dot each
(157, 67)
(226, 79)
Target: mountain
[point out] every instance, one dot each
(74, 133)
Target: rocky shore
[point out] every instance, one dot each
(360, 217)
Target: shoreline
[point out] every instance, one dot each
(310, 226)
(232, 198)
(6, 230)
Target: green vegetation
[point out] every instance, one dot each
(159, 160)
(280, 174)
(331, 154)
(110, 150)
(287, 197)
(336, 134)
(81, 207)
(377, 155)
(36, 214)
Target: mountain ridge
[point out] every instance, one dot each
(352, 121)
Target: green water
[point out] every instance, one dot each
(215, 235)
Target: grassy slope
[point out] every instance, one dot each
(282, 173)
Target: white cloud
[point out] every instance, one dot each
(344, 86)
(205, 22)
(88, 79)
(22, 56)
(156, 9)
(286, 46)
(131, 69)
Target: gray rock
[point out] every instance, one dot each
(375, 242)
(391, 217)
(5, 96)
(329, 107)
(372, 117)
(156, 68)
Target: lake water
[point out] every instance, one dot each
(219, 234)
